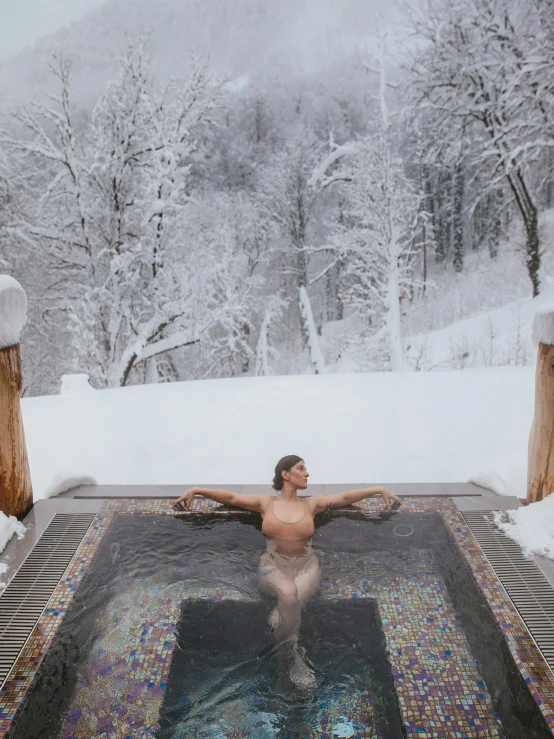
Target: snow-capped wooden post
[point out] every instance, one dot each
(16, 493)
(540, 466)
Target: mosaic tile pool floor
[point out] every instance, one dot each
(439, 689)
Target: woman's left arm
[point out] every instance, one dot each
(322, 502)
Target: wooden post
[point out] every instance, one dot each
(540, 467)
(16, 494)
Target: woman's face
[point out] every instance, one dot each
(297, 476)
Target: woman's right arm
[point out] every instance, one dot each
(248, 502)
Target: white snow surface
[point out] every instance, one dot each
(532, 527)
(64, 481)
(502, 336)
(493, 481)
(350, 428)
(9, 525)
(13, 310)
(75, 385)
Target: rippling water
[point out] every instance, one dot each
(168, 637)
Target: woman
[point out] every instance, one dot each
(289, 568)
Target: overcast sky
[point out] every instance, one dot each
(22, 22)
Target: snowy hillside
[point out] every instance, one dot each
(497, 337)
(239, 38)
(362, 428)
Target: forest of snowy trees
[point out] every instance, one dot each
(211, 226)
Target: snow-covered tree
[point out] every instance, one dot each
(290, 201)
(109, 218)
(234, 243)
(482, 73)
(377, 238)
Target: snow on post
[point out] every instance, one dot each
(13, 310)
(543, 325)
(16, 494)
(540, 467)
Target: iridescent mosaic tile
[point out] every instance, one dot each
(439, 688)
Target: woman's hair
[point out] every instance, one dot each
(286, 463)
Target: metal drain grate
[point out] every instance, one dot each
(30, 589)
(528, 588)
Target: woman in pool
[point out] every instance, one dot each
(289, 568)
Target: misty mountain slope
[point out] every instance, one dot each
(245, 37)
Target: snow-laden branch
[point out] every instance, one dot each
(313, 342)
(175, 341)
(142, 347)
(319, 172)
(324, 271)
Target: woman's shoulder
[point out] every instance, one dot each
(264, 499)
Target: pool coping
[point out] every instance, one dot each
(526, 654)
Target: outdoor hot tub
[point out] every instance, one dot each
(158, 628)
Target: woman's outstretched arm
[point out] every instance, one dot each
(248, 502)
(322, 502)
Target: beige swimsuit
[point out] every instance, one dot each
(289, 547)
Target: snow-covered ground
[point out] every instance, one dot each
(497, 337)
(9, 526)
(532, 527)
(374, 427)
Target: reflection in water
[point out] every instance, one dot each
(289, 570)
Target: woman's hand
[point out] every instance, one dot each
(185, 501)
(391, 500)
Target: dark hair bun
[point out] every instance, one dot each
(278, 482)
(284, 464)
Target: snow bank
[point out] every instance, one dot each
(503, 336)
(532, 527)
(13, 310)
(9, 525)
(358, 428)
(64, 481)
(75, 385)
(493, 481)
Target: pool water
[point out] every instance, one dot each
(224, 674)
(167, 636)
